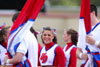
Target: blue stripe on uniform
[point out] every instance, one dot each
(93, 28)
(17, 28)
(16, 46)
(0, 61)
(54, 54)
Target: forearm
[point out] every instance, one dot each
(78, 51)
(16, 59)
(99, 46)
(81, 55)
(92, 41)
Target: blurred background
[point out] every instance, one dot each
(58, 14)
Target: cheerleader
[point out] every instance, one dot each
(51, 54)
(70, 37)
(4, 31)
(91, 57)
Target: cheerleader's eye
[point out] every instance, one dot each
(44, 35)
(49, 35)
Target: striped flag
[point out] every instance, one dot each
(84, 29)
(84, 23)
(23, 23)
(85, 14)
(25, 19)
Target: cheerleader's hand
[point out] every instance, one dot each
(5, 58)
(4, 65)
(90, 40)
(84, 56)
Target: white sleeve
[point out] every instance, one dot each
(22, 48)
(2, 54)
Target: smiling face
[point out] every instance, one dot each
(47, 37)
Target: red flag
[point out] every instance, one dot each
(24, 21)
(85, 13)
(21, 27)
(84, 23)
(29, 11)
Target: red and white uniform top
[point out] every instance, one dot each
(47, 56)
(3, 51)
(70, 54)
(67, 54)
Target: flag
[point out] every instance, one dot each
(84, 28)
(84, 23)
(25, 20)
(85, 14)
(23, 24)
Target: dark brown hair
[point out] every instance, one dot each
(33, 31)
(49, 29)
(94, 8)
(74, 36)
(15, 16)
(3, 32)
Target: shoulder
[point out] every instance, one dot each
(97, 27)
(58, 49)
(73, 50)
(59, 52)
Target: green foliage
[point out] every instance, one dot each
(72, 2)
(65, 2)
(56, 2)
(96, 2)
